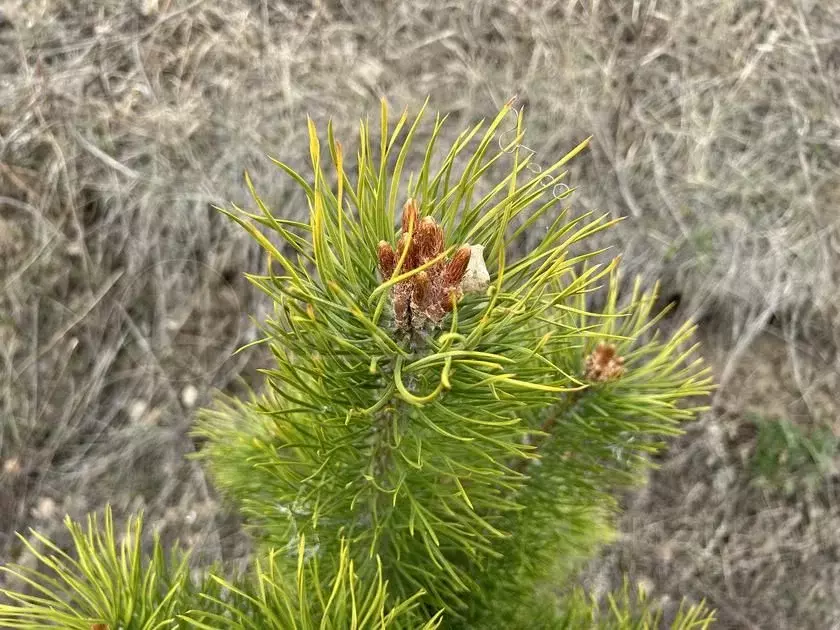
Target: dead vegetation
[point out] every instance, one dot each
(716, 131)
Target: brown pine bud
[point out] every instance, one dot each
(422, 289)
(410, 215)
(604, 364)
(457, 266)
(387, 259)
(429, 240)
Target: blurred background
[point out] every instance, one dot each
(716, 132)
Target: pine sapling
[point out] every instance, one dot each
(446, 420)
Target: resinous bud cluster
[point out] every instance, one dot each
(428, 295)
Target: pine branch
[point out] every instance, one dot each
(106, 584)
(103, 582)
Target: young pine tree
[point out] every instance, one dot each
(444, 424)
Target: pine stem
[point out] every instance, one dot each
(548, 425)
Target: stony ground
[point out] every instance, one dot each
(716, 132)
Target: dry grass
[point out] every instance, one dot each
(717, 132)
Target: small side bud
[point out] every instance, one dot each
(604, 364)
(410, 215)
(457, 266)
(386, 259)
